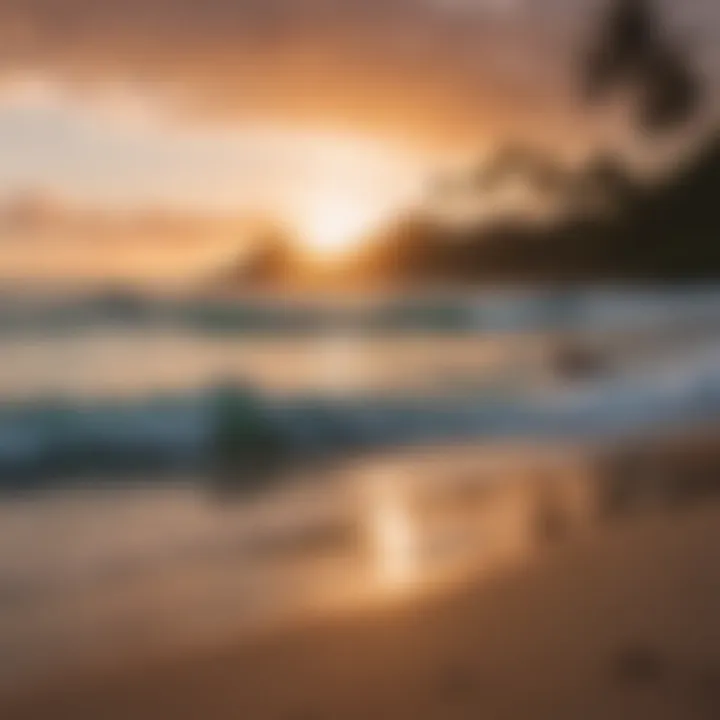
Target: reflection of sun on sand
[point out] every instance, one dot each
(619, 621)
(394, 534)
(623, 625)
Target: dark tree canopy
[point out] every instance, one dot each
(634, 52)
(615, 227)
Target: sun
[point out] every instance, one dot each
(333, 225)
(351, 189)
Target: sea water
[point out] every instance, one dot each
(327, 424)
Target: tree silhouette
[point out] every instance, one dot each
(634, 52)
(271, 263)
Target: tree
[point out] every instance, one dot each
(633, 52)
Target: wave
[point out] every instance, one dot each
(489, 311)
(232, 428)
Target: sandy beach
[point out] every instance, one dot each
(360, 360)
(617, 621)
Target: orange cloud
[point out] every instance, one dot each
(428, 70)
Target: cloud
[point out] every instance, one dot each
(421, 68)
(435, 70)
(44, 235)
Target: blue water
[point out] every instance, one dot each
(121, 385)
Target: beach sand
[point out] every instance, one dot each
(620, 622)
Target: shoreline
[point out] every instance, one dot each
(651, 503)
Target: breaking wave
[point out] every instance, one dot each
(234, 427)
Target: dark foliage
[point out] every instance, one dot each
(633, 52)
(615, 227)
(669, 231)
(270, 264)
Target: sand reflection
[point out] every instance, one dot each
(394, 532)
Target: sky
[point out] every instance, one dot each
(276, 107)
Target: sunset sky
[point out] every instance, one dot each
(272, 107)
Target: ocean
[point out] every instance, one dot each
(177, 469)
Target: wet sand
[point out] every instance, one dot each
(621, 621)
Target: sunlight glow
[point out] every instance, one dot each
(334, 224)
(349, 190)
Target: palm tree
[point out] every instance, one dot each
(633, 52)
